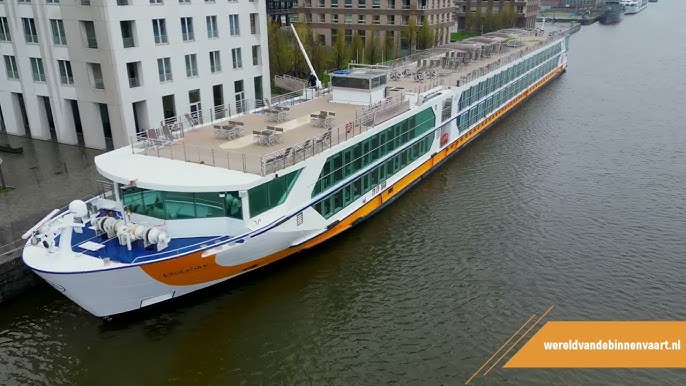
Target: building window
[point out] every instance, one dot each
(37, 70)
(253, 24)
(159, 30)
(89, 28)
(156, 1)
(215, 62)
(30, 32)
(66, 75)
(187, 29)
(5, 35)
(11, 67)
(191, 65)
(127, 37)
(164, 69)
(132, 72)
(236, 57)
(212, 30)
(96, 71)
(233, 25)
(255, 55)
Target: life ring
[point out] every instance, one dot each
(349, 127)
(444, 139)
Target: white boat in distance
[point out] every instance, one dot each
(195, 203)
(634, 6)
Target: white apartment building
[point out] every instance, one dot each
(96, 72)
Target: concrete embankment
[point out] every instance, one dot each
(45, 176)
(15, 277)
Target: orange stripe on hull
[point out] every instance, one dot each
(195, 269)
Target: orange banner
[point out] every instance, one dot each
(603, 345)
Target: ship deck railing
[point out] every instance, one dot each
(191, 137)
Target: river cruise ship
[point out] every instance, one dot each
(215, 194)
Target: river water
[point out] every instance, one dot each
(575, 200)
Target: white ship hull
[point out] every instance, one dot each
(635, 6)
(104, 286)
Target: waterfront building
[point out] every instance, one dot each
(382, 19)
(526, 11)
(96, 72)
(281, 11)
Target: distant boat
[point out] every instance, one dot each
(634, 6)
(613, 12)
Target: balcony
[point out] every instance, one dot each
(128, 42)
(134, 82)
(99, 83)
(68, 80)
(92, 42)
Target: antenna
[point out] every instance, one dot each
(307, 58)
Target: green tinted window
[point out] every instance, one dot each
(181, 205)
(344, 196)
(359, 156)
(272, 193)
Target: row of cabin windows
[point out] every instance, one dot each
(483, 88)
(368, 181)
(180, 205)
(355, 158)
(492, 103)
(268, 195)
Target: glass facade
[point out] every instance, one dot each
(347, 162)
(270, 194)
(181, 205)
(344, 196)
(488, 86)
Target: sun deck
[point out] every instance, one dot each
(288, 130)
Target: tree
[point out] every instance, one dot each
(508, 17)
(307, 39)
(374, 48)
(425, 38)
(340, 53)
(390, 47)
(280, 51)
(409, 34)
(357, 47)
